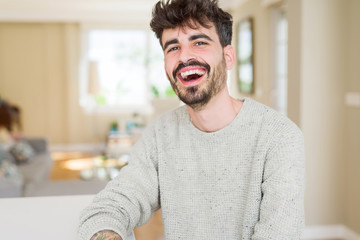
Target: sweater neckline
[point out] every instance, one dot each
(225, 129)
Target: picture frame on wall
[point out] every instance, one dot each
(245, 56)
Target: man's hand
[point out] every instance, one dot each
(106, 235)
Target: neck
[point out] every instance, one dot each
(219, 112)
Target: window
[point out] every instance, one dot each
(280, 55)
(122, 71)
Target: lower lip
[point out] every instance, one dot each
(192, 82)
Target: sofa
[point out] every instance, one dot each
(35, 170)
(32, 178)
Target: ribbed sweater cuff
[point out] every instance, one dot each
(97, 224)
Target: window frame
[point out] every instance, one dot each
(279, 89)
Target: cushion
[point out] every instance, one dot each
(22, 151)
(11, 181)
(6, 140)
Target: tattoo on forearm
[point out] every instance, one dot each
(106, 235)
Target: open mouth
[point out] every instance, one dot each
(191, 75)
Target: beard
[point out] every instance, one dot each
(198, 96)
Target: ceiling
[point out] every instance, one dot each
(83, 10)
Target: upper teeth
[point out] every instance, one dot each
(190, 72)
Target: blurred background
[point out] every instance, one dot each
(87, 76)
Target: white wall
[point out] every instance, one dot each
(322, 108)
(352, 116)
(325, 60)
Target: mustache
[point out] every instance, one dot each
(190, 63)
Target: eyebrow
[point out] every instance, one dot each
(197, 36)
(191, 38)
(173, 41)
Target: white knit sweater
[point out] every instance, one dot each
(245, 181)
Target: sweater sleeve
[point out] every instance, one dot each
(130, 199)
(282, 205)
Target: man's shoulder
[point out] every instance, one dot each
(269, 118)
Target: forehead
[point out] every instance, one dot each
(183, 33)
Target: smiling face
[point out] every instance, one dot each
(195, 63)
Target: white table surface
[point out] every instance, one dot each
(41, 218)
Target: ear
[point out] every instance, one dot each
(229, 55)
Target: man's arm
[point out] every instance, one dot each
(282, 203)
(106, 235)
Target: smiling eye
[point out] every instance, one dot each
(173, 49)
(200, 43)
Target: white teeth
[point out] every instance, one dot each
(196, 71)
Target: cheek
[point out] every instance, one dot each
(169, 65)
(211, 57)
(166, 67)
(166, 63)
(168, 71)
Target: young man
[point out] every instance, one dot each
(219, 167)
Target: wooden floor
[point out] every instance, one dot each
(153, 230)
(62, 161)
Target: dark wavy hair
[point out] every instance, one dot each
(189, 13)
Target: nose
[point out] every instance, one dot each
(185, 54)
